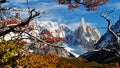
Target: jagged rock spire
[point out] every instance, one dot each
(83, 24)
(82, 28)
(83, 20)
(88, 36)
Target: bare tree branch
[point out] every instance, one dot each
(104, 15)
(40, 40)
(36, 38)
(117, 38)
(33, 14)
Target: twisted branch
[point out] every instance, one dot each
(104, 15)
(33, 14)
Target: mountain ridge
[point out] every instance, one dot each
(74, 43)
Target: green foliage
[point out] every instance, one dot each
(9, 50)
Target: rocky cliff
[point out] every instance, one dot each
(107, 49)
(87, 34)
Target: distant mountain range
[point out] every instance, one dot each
(75, 42)
(85, 41)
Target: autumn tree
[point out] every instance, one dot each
(89, 4)
(10, 21)
(13, 50)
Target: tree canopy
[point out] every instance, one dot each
(89, 4)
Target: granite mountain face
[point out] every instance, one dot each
(75, 42)
(87, 34)
(71, 43)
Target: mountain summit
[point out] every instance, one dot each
(75, 42)
(71, 43)
(87, 34)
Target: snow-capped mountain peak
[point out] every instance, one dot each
(54, 28)
(74, 42)
(80, 40)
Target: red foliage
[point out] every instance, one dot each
(9, 22)
(60, 39)
(50, 40)
(90, 4)
(15, 22)
(48, 37)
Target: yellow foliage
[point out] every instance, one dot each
(39, 60)
(8, 51)
(9, 59)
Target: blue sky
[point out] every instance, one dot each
(61, 14)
